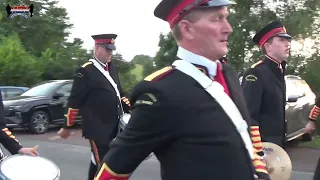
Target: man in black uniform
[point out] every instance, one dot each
(194, 135)
(31, 10)
(264, 86)
(8, 8)
(97, 96)
(8, 140)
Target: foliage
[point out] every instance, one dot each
(146, 62)
(18, 67)
(167, 52)
(36, 49)
(138, 72)
(127, 79)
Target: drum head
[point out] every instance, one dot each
(126, 118)
(22, 167)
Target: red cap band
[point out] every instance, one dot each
(102, 41)
(175, 15)
(270, 34)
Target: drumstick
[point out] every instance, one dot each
(57, 137)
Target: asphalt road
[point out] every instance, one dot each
(73, 157)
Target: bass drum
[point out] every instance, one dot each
(22, 167)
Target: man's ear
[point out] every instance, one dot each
(186, 29)
(266, 46)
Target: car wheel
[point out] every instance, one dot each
(39, 122)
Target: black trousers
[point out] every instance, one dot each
(99, 150)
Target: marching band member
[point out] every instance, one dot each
(97, 96)
(191, 115)
(9, 141)
(264, 87)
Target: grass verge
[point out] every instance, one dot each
(310, 144)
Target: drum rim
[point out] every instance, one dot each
(19, 155)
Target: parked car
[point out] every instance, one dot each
(39, 107)
(11, 91)
(300, 100)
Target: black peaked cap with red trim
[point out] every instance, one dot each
(106, 40)
(173, 10)
(272, 29)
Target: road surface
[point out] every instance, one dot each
(73, 157)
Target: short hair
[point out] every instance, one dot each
(193, 16)
(263, 49)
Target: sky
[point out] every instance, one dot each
(137, 28)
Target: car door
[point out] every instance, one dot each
(58, 105)
(307, 102)
(294, 109)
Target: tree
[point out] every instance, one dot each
(167, 52)
(48, 27)
(127, 79)
(18, 67)
(146, 62)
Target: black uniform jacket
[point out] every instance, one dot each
(188, 131)
(95, 98)
(264, 90)
(7, 139)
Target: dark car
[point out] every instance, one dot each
(39, 107)
(300, 100)
(11, 91)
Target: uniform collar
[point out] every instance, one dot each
(205, 65)
(273, 62)
(102, 64)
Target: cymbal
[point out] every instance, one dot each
(278, 161)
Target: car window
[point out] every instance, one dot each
(65, 89)
(12, 92)
(44, 89)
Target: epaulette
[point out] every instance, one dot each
(159, 74)
(256, 64)
(86, 64)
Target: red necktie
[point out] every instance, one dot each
(220, 78)
(106, 68)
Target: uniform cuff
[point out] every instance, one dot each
(314, 113)
(259, 166)
(71, 117)
(105, 173)
(256, 139)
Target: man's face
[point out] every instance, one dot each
(211, 32)
(103, 54)
(279, 48)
